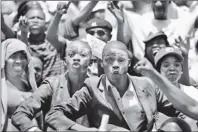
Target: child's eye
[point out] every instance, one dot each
(83, 55)
(121, 60)
(108, 60)
(70, 54)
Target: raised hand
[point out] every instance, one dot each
(144, 67)
(182, 45)
(62, 7)
(23, 24)
(114, 9)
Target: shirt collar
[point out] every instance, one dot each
(109, 85)
(68, 80)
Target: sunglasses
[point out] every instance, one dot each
(99, 32)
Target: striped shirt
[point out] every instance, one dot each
(53, 61)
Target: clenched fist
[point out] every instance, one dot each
(62, 7)
(23, 24)
(144, 67)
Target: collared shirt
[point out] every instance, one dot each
(129, 107)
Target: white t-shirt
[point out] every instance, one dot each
(141, 25)
(193, 93)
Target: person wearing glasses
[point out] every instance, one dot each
(131, 102)
(101, 30)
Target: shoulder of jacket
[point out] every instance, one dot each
(140, 78)
(53, 81)
(145, 82)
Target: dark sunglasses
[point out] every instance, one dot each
(99, 32)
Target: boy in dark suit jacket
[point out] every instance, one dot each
(131, 102)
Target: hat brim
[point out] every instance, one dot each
(87, 29)
(154, 37)
(180, 57)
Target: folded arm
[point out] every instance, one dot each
(61, 117)
(40, 99)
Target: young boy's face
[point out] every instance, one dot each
(115, 60)
(78, 55)
(36, 20)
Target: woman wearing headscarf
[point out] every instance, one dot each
(17, 77)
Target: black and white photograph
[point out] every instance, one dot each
(123, 65)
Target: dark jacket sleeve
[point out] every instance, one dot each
(164, 106)
(40, 100)
(61, 117)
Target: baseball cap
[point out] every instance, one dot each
(98, 23)
(168, 51)
(152, 36)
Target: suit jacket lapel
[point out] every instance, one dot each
(101, 92)
(62, 91)
(144, 97)
(116, 110)
(65, 86)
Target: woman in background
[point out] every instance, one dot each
(169, 63)
(17, 78)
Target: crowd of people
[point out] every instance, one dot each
(65, 64)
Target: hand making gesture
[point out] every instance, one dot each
(62, 7)
(115, 10)
(23, 24)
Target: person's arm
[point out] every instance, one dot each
(61, 116)
(123, 33)
(8, 32)
(40, 99)
(84, 13)
(179, 99)
(184, 47)
(164, 105)
(23, 24)
(72, 24)
(52, 32)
